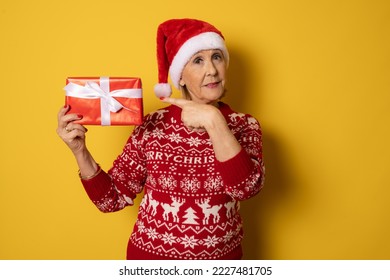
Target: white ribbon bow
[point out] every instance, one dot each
(108, 103)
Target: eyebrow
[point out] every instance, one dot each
(213, 51)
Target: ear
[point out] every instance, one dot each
(182, 83)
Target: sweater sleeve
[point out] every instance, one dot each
(116, 189)
(103, 193)
(243, 175)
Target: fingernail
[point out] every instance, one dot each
(66, 106)
(162, 98)
(80, 116)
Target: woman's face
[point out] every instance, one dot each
(204, 76)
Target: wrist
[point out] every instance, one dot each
(89, 177)
(82, 154)
(88, 168)
(215, 120)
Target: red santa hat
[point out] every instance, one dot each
(177, 41)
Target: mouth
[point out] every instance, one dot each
(212, 85)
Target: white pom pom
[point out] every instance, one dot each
(162, 90)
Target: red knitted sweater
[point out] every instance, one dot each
(190, 205)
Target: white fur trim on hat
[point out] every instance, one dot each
(162, 90)
(203, 41)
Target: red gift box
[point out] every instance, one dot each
(105, 100)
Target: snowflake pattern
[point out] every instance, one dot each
(167, 182)
(237, 193)
(175, 137)
(208, 142)
(229, 235)
(147, 135)
(151, 180)
(134, 186)
(158, 133)
(105, 204)
(152, 233)
(141, 226)
(249, 186)
(190, 185)
(168, 238)
(213, 183)
(194, 141)
(120, 176)
(189, 241)
(251, 150)
(211, 241)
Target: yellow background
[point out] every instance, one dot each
(315, 73)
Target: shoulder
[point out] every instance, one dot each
(236, 118)
(157, 118)
(158, 114)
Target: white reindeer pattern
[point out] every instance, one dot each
(172, 208)
(160, 113)
(152, 203)
(230, 208)
(234, 116)
(208, 210)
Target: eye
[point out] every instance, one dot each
(217, 56)
(197, 60)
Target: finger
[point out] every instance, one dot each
(73, 137)
(63, 111)
(73, 126)
(75, 133)
(63, 117)
(176, 101)
(68, 118)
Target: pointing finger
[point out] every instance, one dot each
(176, 101)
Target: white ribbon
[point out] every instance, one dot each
(108, 103)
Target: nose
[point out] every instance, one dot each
(211, 69)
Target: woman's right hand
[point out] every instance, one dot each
(71, 133)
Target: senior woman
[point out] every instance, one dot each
(194, 160)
